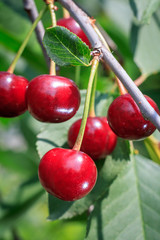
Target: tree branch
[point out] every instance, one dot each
(32, 12)
(84, 21)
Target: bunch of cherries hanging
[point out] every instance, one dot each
(70, 174)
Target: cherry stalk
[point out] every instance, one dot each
(13, 88)
(22, 47)
(54, 23)
(98, 139)
(79, 139)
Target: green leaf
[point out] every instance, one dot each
(65, 48)
(152, 146)
(140, 148)
(131, 209)
(144, 9)
(145, 45)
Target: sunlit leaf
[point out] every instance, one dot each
(131, 209)
(65, 48)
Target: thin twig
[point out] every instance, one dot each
(32, 12)
(140, 80)
(85, 23)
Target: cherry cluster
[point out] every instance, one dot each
(67, 173)
(48, 98)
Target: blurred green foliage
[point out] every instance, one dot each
(23, 205)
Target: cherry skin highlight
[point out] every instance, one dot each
(74, 27)
(67, 174)
(98, 141)
(126, 120)
(12, 94)
(52, 98)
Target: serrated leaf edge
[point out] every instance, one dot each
(78, 59)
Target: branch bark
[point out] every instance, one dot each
(84, 21)
(32, 12)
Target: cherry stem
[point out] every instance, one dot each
(23, 45)
(132, 151)
(66, 14)
(140, 79)
(122, 89)
(101, 36)
(52, 70)
(52, 13)
(77, 75)
(31, 9)
(79, 139)
(92, 102)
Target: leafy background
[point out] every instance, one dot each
(135, 28)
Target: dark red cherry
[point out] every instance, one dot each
(74, 27)
(67, 174)
(12, 94)
(52, 98)
(126, 120)
(98, 141)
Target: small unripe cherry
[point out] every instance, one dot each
(126, 120)
(74, 27)
(98, 140)
(12, 94)
(67, 174)
(52, 99)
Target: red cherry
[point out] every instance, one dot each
(74, 27)
(52, 98)
(126, 120)
(12, 94)
(98, 141)
(67, 174)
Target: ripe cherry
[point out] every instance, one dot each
(67, 174)
(12, 94)
(52, 98)
(98, 141)
(74, 27)
(126, 120)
